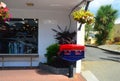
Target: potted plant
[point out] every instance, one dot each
(4, 12)
(51, 54)
(83, 16)
(65, 36)
(54, 63)
(4, 15)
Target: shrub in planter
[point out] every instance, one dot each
(63, 36)
(52, 51)
(52, 57)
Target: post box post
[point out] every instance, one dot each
(80, 41)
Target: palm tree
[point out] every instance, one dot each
(105, 19)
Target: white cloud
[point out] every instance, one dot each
(95, 5)
(117, 21)
(98, 3)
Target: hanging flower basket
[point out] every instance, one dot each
(83, 16)
(4, 12)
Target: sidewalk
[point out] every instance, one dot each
(112, 48)
(103, 64)
(35, 75)
(103, 70)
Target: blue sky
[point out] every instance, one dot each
(95, 4)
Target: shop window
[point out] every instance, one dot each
(19, 36)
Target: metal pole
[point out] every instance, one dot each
(71, 70)
(87, 5)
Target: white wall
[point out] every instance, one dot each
(47, 19)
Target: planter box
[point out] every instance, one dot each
(64, 71)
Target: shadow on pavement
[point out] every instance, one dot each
(111, 52)
(116, 59)
(43, 72)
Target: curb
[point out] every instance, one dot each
(91, 46)
(110, 50)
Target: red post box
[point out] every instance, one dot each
(71, 52)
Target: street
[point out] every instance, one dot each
(104, 65)
(96, 54)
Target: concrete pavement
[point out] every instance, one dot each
(103, 70)
(104, 65)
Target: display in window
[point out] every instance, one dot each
(19, 36)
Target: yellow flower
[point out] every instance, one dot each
(83, 16)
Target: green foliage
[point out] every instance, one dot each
(52, 51)
(64, 36)
(88, 28)
(105, 19)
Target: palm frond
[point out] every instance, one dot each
(54, 30)
(59, 28)
(64, 36)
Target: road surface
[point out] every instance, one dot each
(103, 64)
(95, 54)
